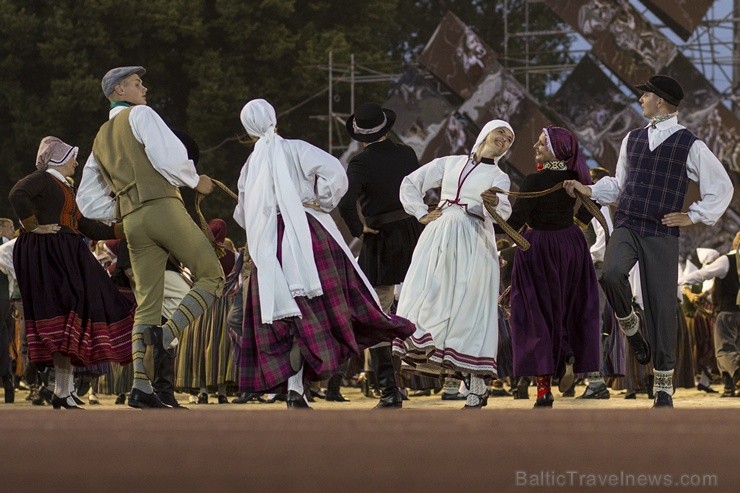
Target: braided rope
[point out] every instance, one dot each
(202, 220)
(518, 238)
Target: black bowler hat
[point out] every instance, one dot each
(370, 122)
(665, 87)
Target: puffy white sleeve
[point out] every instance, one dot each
(239, 211)
(93, 195)
(331, 181)
(415, 185)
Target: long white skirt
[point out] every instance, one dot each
(451, 294)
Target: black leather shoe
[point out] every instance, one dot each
(422, 393)
(706, 388)
(335, 396)
(202, 398)
(640, 347)
(600, 392)
(222, 399)
(168, 399)
(390, 399)
(522, 388)
(64, 402)
(45, 395)
(121, 399)
(663, 399)
(457, 396)
(245, 397)
(141, 400)
(296, 401)
(317, 393)
(545, 401)
(728, 393)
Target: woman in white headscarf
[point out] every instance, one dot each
(308, 305)
(452, 286)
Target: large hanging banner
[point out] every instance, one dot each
(456, 56)
(635, 50)
(595, 109)
(682, 16)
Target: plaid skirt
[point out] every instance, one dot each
(70, 304)
(334, 326)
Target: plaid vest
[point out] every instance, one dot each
(656, 183)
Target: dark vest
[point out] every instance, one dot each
(724, 293)
(656, 183)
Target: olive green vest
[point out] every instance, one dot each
(126, 167)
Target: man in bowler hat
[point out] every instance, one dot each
(389, 234)
(653, 170)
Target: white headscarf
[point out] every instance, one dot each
(268, 189)
(487, 129)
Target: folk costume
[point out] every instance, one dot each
(554, 293)
(74, 315)
(375, 175)
(306, 294)
(654, 167)
(451, 289)
(140, 161)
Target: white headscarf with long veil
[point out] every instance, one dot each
(487, 129)
(269, 189)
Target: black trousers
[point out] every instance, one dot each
(658, 263)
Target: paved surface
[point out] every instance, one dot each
(429, 446)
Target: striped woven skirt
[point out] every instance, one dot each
(334, 326)
(70, 304)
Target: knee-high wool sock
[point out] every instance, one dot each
(477, 390)
(191, 307)
(141, 381)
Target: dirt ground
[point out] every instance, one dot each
(428, 446)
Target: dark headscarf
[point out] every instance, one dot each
(564, 146)
(218, 229)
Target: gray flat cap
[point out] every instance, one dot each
(115, 75)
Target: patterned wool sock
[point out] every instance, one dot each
(543, 385)
(141, 381)
(629, 324)
(595, 379)
(477, 389)
(704, 378)
(663, 382)
(191, 307)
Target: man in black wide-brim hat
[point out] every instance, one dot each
(389, 234)
(653, 171)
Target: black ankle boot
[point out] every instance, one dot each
(332, 389)
(545, 401)
(390, 394)
(729, 390)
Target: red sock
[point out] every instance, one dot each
(543, 385)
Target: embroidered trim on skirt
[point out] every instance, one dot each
(70, 304)
(340, 323)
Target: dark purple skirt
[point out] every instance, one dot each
(334, 326)
(554, 304)
(70, 304)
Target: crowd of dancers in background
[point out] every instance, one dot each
(116, 280)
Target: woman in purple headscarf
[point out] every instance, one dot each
(554, 297)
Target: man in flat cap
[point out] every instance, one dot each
(389, 233)
(133, 174)
(653, 170)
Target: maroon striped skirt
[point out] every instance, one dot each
(70, 304)
(334, 326)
